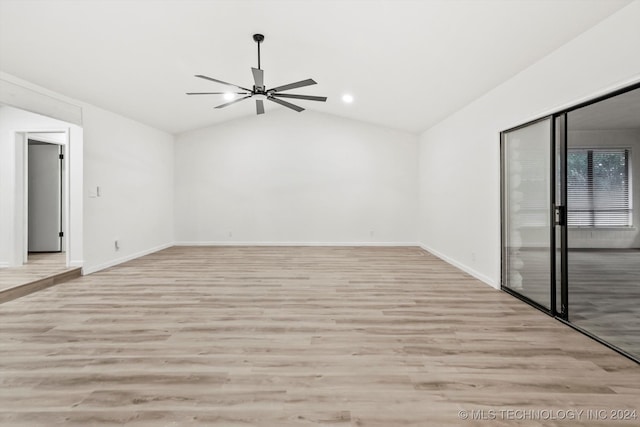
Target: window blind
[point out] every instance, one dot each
(598, 188)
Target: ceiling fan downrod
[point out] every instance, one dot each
(258, 38)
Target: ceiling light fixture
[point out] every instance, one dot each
(347, 98)
(229, 96)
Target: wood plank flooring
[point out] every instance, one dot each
(298, 336)
(37, 267)
(604, 295)
(41, 271)
(604, 291)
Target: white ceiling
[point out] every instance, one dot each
(408, 64)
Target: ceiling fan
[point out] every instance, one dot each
(260, 91)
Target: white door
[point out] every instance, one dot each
(44, 197)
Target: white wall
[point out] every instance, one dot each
(459, 215)
(305, 178)
(131, 163)
(610, 237)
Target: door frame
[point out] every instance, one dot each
(36, 140)
(551, 214)
(22, 140)
(560, 219)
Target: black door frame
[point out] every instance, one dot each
(552, 244)
(560, 217)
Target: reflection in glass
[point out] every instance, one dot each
(603, 183)
(526, 205)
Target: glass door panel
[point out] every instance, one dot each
(526, 186)
(603, 192)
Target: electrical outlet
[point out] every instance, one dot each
(231, 234)
(372, 233)
(473, 256)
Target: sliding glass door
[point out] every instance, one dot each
(527, 211)
(570, 185)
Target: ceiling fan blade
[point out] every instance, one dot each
(307, 97)
(286, 104)
(258, 77)
(301, 83)
(224, 83)
(233, 102)
(215, 93)
(259, 106)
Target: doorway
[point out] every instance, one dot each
(570, 214)
(20, 126)
(45, 195)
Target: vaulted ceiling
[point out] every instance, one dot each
(408, 64)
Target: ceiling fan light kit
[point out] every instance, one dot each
(260, 93)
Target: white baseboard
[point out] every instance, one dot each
(463, 267)
(4, 265)
(250, 243)
(486, 279)
(94, 268)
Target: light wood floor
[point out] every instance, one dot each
(40, 272)
(604, 295)
(604, 291)
(244, 336)
(38, 266)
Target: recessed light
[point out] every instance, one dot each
(229, 96)
(347, 98)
